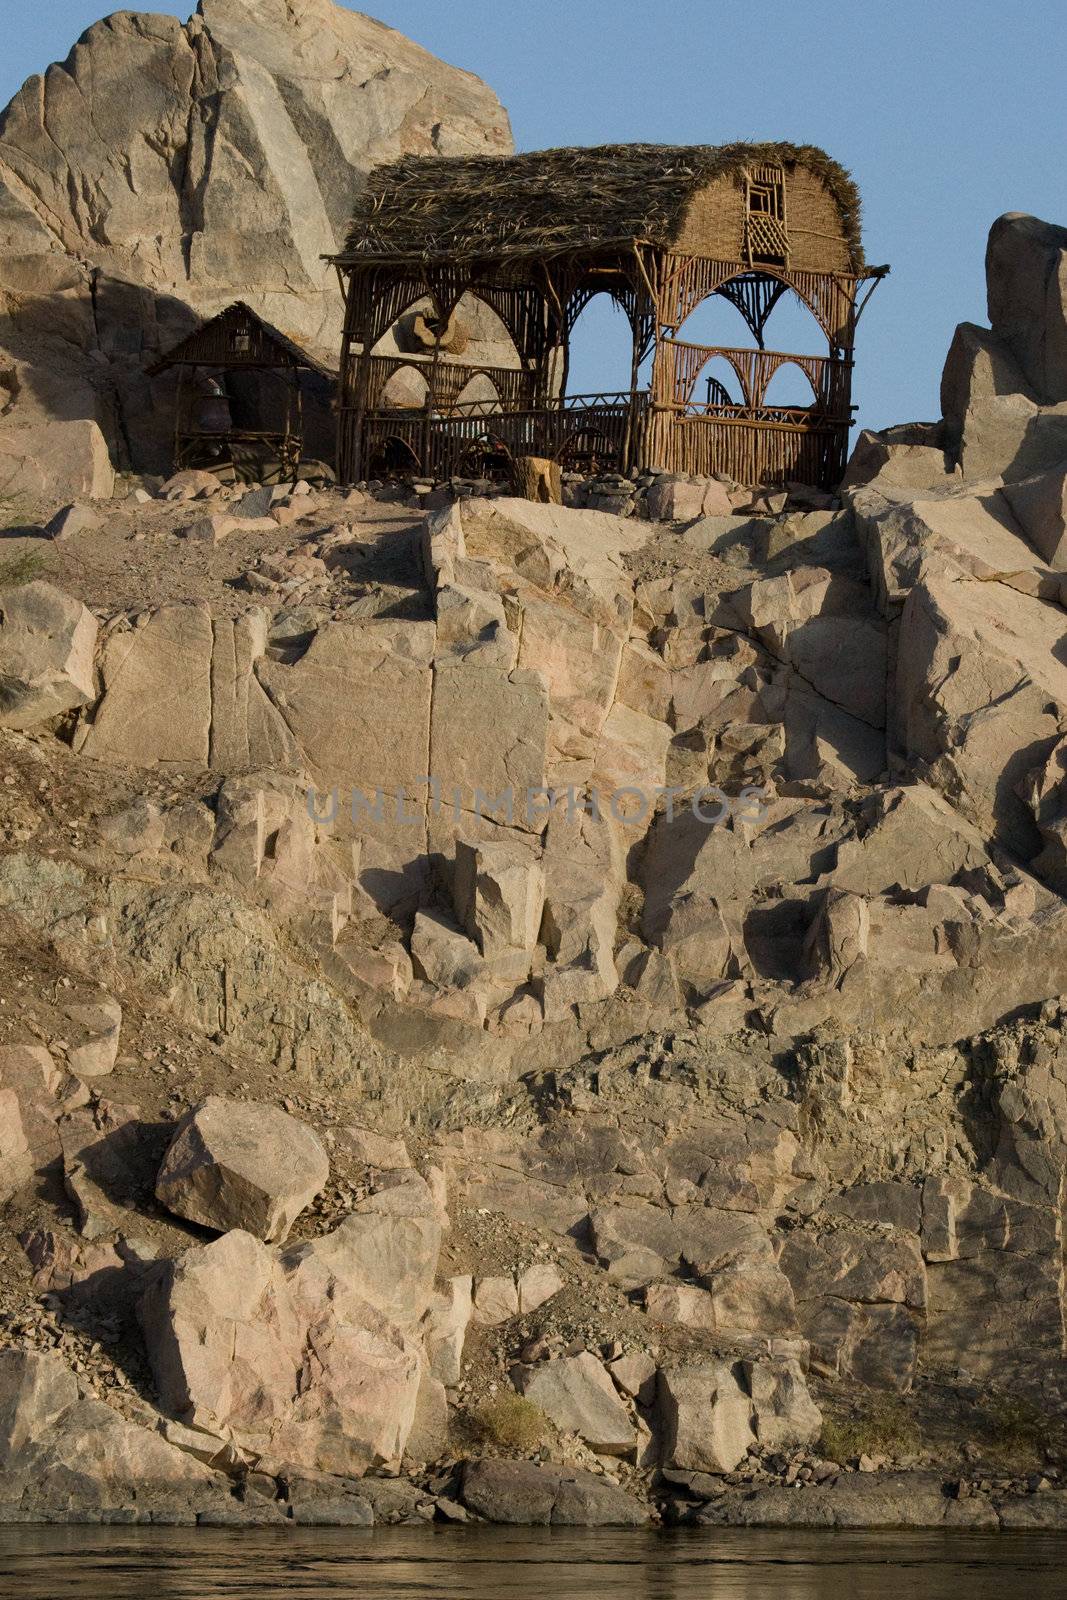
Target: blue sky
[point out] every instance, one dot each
(947, 114)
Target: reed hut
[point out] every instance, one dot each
(240, 396)
(659, 228)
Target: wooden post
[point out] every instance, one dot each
(626, 454)
(179, 411)
(298, 442)
(535, 478)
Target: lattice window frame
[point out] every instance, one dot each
(766, 227)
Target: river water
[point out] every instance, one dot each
(525, 1564)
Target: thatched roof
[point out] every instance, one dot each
(427, 208)
(203, 346)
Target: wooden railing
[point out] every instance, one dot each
(770, 444)
(239, 446)
(587, 433)
(606, 432)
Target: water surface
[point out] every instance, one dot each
(525, 1564)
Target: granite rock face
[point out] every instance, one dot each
(579, 1397)
(1026, 279)
(662, 1139)
(523, 1493)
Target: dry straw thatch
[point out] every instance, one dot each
(550, 202)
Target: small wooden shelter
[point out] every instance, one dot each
(222, 421)
(659, 228)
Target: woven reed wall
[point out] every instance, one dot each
(715, 221)
(817, 243)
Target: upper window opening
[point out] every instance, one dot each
(766, 237)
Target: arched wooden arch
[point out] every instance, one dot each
(683, 364)
(451, 380)
(774, 361)
(754, 295)
(384, 376)
(755, 292)
(524, 313)
(471, 377)
(691, 359)
(395, 451)
(387, 311)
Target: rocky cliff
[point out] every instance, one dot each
(565, 1004)
(165, 170)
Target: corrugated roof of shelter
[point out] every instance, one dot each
(553, 201)
(183, 353)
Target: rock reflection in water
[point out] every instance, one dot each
(524, 1564)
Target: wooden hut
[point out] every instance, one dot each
(240, 395)
(659, 228)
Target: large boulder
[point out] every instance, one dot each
(358, 705)
(784, 1414)
(672, 498)
(16, 1159)
(898, 465)
(380, 1259)
(935, 966)
(266, 841)
(283, 1354)
(94, 1031)
(978, 367)
(909, 837)
(705, 1417)
(996, 1308)
(46, 458)
(1026, 283)
(1040, 505)
(223, 1339)
(824, 626)
(499, 894)
(1004, 390)
(182, 689)
(29, 1073)
(709, 1414)
(529, 1495)
(487, 740)
(1008, 436)
(233, 1164)
(47, 639)
(35, 1390)
(859, 1297)
(110, 1159)
(976, 533)
(444, 1327)
(566, 569)
(577, 1395)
